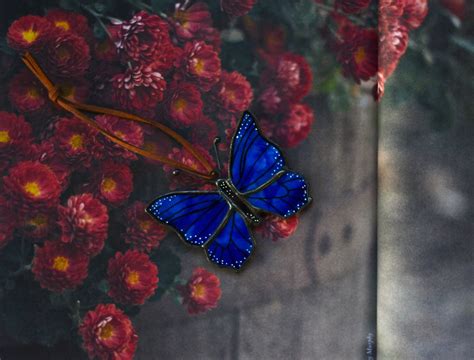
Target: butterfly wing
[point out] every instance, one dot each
(194, 215)
(253, 159)
(284, 196)
(232, 244)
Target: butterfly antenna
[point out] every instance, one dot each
(217, 140)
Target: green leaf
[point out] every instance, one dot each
(464, 43)
(169, 266)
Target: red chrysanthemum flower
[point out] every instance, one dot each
(27, 95)
(32, 185)
(143, 39)
(271, 99)
(76, 141)
(233, 93)
(358, 54)
(184, 103)
(38, 224)
(392, 45)
(7, 222)
(46, 153)
(15, 135)
(29, 33)
(84, 223)
(142, 232)
(69, 21)
(132, 277)
(205, 132)
(275, 227)
(138, 88)
(107, 333)
(202, 291)
(182, 179)
(237, 7)
(201, 64)
(295, 125)
(58, 267)
(414, 12)
(128, 131)
(352, 6)
(192, 22)
(291, 74)
(115, 183)
(67, 56)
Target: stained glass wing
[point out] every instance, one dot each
(194, 215)
(232, 244)
(284, 196)
(254, 160)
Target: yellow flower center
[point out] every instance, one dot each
(108, 185)
(30, 35)
(76, 141)
(62, 53)
(33, 188)
(4, 137)
(133, 278)
(180, 104)
(145, 225)
(60, 263)
(39, 220)
(107, 331)
(33, 92)
(199, 66)
(62, 24)
(360, 55)
(199, 291)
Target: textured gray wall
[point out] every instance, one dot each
(307, 297)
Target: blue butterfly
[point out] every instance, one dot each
(219, 220)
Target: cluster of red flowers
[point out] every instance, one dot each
(373, 53)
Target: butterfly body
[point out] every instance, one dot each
(219, 221)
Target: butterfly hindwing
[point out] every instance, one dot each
(194, 215)
(284, 196)
(253, 160)
(232, 244)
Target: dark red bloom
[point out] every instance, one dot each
(456, 7)
(69, 21)
(201, 64)
(138, 88)
(202, 291)
(38, 224)
(27, 95)
(352, 6)
(7, 222)
(29, 33)
(359, 54)
(184, 104)
(295, 125)
(84, 223)
(392, 44)
(271, 99)
(192, 22)
(107, 333)
(205, 132)
(128, 131)
(275, 227)
(291, 74)
(143, 39)
(132, 277)
(15, 135)
(185, 157)
(74, 90)
(76, 141)
(273, 38)
(414, 12)
(237, 7)
(58, 267)
(115, 183)
(142, 232)
(105, 50)
(67, 56)
(32, 185)
(233, 93)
